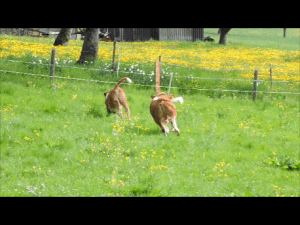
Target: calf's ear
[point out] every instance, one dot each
(152, 96)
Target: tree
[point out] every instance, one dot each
(223, 35)
(89, 52)
(63, 37)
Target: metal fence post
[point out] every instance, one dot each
(114, 53)
(119, 65)
(271, 75)
(255, 85)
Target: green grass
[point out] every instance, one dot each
(67, 146)
(259, 37)
(57, 140)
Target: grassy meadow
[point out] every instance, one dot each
(57, 140)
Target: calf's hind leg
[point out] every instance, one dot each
(174, 124)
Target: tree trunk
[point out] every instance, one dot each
(63, 37)
(89, 52)
(223, 36)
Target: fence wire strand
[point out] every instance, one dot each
(152, 74)
(98, 81)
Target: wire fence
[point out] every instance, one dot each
(99, 81)
(136, 84)
(152, 74)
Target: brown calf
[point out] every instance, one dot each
(163, 111)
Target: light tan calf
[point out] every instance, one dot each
(116, 98)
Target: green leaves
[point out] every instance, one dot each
(284, 162)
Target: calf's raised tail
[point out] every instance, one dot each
(122, 80)
(178, 99)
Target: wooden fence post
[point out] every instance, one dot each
(52, 68)
(255, 85)
(271, 76)
(114, 54)
(159, 59)
(157, 77)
